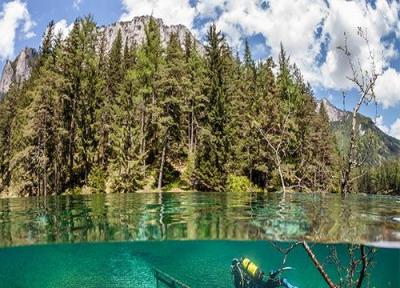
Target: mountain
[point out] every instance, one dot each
(18, 70)
(133, 31)
(387, 147)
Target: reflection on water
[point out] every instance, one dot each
(200, 216)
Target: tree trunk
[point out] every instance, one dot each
(160, 176)
(192, 131)
(318, 265)
(364, 264)
(143, 140)
(278, 164)
(345, 183)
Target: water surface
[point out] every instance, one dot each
(201, 216)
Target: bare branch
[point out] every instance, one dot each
(318, 265)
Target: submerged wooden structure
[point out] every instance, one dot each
(167, 280)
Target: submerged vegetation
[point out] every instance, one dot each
(144, 116)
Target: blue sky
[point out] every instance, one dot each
(309, 29)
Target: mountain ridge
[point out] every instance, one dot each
(386, 145)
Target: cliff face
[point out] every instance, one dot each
(341, 121)
(17, 71)
(134, 32)
(334, 113)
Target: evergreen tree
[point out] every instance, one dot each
(213, 153)
(144, 116)
(173, 86)
(149, 62)
(112, 80)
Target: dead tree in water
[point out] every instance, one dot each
(364, 81)
(347, 274)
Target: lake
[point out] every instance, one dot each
(116, 240)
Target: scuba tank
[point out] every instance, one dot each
(251, 269)
(246, 274)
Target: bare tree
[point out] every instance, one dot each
(278, 144)
(364, 80)
(352, 275)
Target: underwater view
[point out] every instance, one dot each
(193, 238)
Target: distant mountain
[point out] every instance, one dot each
(387, 147)
(134, 32)
(19, 70)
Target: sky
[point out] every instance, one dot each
(310, 31)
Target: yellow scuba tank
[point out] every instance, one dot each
(251, 268)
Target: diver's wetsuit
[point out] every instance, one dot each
(278, 282)
(241, 279)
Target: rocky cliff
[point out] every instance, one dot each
(334, 114)
(134, 32)
(18, 70)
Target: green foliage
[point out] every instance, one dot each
(239, 184)
(148, 116)
(382, 179)
(96, 180)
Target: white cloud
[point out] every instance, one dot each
(294, 23)
(14, 15)
(77, 3)
(345, 17)
(387, 88)
(381, 125)
(310, 30)
(393, 130)
(171, 11)
(304, 26)
(62, 27)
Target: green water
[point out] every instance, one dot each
(197, 263)
(75, 241)
(201, 216)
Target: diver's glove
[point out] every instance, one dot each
(274, 273)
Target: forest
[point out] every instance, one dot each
(147, 117)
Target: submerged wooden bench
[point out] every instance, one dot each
(168, 280)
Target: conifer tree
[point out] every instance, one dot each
(173, 86)
(112, 80)
(213, 153)
(125, 173)
(149, 62)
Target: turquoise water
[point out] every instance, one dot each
(201, 216)
(117, 240)
(197, 263)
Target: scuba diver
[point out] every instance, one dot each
(245, 274)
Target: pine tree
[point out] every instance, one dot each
(173, 86)
(213, 153)
(125, 173)
(324, 153)
(112, 80)
(149, 62)
(86, 104)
